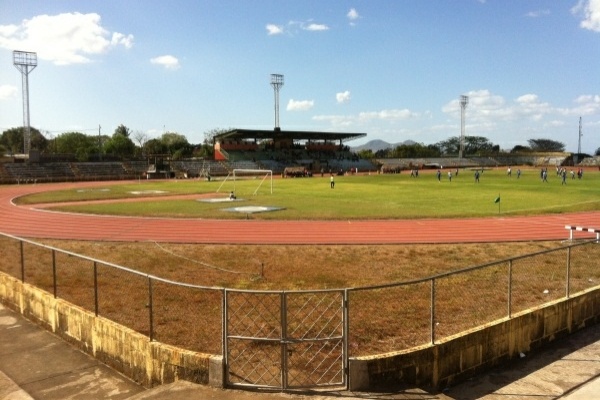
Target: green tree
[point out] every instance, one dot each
(120, 145)
(414, 150)
(13, 140)
(155, 146)
(77, 143)
(367, 154)
(176, 144)
(449, 146)
(520, 149)
(546, 145)
(474, 145)
(478, 145)
(122, 130)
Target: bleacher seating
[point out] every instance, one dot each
(100, 171)
(38, 173)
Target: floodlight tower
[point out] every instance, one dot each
(579, 144)
(277, 83)
(464, 100)
(25, 62)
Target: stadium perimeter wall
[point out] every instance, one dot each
(147, 362)
(462, 356)
(448, 361)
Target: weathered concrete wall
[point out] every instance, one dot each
(133, 354)
(462, 356)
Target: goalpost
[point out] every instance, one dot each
(243, 173)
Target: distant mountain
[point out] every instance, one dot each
(376, 145)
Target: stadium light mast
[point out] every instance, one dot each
(25, 62)
(464, 100)
(277, 83)
(579, 143)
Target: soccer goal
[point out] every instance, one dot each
(247, 174)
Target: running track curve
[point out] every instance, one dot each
(25, 221)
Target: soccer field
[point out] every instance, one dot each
(391, 196)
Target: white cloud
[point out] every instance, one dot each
(527, 99)
(537, 13)
(336, 121)
(273, 29)
(7, 92)
(389, 115)
(69, 38)
(300, 105)
(589, 10)
(121, 39)
(487, 109)
(294, 27)
(315, 27)
(167, 61)
(367, 117)
(585, 105)
(352, 16)
(343, 97)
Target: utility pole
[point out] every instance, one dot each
(99, 143)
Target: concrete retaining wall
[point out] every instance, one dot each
(127, 351)
(450, 360)
(462, 356)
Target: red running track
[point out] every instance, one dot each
(29, 222)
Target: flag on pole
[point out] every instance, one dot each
(497, 200)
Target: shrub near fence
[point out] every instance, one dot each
(386, 318)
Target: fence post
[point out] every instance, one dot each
(509, 303)
(54, 287)
(225, 345)
(151, 316)
(96, 308)
(346, 335)
(284, 346)
(22, 263)
(568, 288)
(432, 320)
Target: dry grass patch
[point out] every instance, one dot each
(292, 267)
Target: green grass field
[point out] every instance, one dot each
(354, 197)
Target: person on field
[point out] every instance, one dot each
(439, 175)
(477, 176)
(331, 182)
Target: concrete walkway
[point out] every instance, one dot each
(35, 364)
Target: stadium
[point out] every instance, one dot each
(258, 335)
(136, 262)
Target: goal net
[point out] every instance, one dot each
(260, 175)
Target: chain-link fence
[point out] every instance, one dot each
(397, 317)
(380, 319)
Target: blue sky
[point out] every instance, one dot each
(392, 69)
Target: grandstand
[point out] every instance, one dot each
(277, 150)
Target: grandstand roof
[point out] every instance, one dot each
(279, 134)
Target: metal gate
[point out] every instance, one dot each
(286, 340)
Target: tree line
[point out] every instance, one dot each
(127, 144)
(122, 144)
(473, 146)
